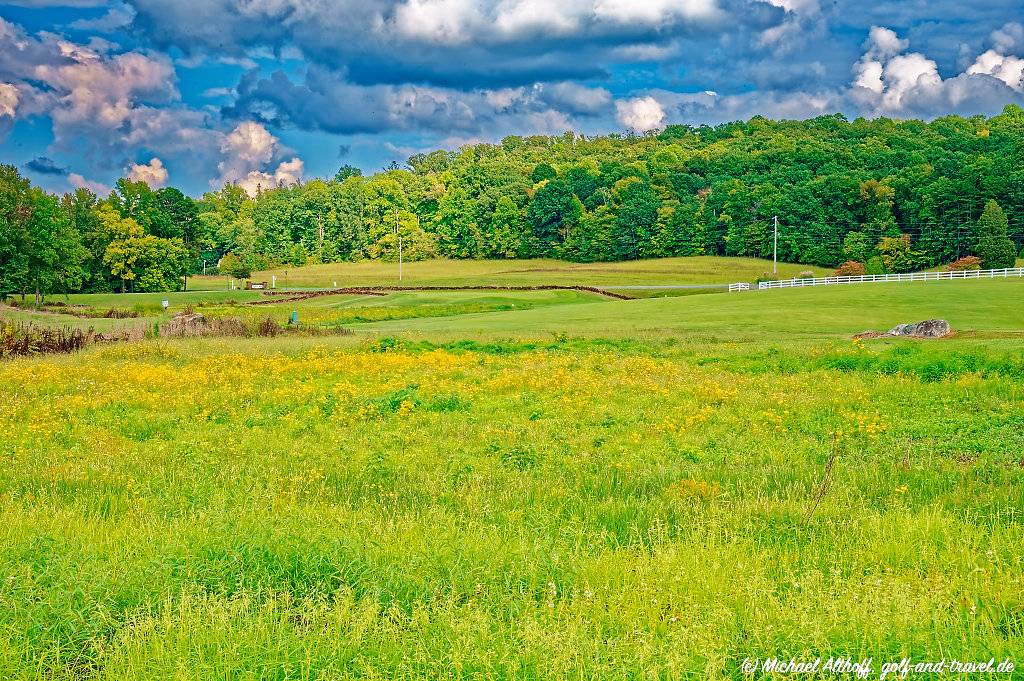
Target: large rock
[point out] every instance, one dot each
(931, 328)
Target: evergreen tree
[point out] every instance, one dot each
(994, 247)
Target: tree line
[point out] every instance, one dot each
(891, 195)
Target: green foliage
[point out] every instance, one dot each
(874, 265)
(143, 262)
(542, 172)
(856, 247)
(636, 208)
(457, 233)
(994, 248)
(233, 266)
(681, 231)
(346, 171)
(15, 212)
(505, 234)
(840, 189)
(897, 255)
(553, 212)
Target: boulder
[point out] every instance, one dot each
(930, 328)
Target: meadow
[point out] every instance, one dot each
(574, 488)
(664, 271)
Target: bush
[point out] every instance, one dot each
(233, 266)
(851, 268)
(874, 266)
(191, 325)
(806, 274)
(969, 262)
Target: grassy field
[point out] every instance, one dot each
(779, 314)
(667, 271)
(329, 311)
(572, 488)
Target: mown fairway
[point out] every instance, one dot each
(636, 497)
(665, 271)
(758, 316)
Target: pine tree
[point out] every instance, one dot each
(994, 246)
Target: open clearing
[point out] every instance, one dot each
(665, 271)
(573, 487)
(760, 315)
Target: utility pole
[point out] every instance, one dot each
(775, 249)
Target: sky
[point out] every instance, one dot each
(197, 93)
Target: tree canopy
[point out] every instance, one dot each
(891, 195)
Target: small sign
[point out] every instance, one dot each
(166, 304)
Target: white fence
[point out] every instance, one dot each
(742, 286)
(909, 276)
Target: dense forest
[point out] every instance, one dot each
(890, 195)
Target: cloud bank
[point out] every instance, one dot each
(204, 92)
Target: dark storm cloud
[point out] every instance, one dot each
(326, 101)
(45, 166)
(448, 43)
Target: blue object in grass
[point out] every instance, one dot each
(295, 317)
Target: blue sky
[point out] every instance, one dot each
(195, 93)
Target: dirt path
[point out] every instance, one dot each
(291, 296)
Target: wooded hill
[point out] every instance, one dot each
(895, 195)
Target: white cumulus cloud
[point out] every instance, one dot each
(288, 173)
(640, 114)
(153, 173)
(79, 182)
(9, 99)
(447, 22)
(1008, 69)
(249, 152)
(890, 81)
(653, 12)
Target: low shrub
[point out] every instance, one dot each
(28, 339)
(194, 325)
(968, 262)
(851, 268)
(874, 265)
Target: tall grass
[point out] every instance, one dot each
(566, 509)
(17, 339)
